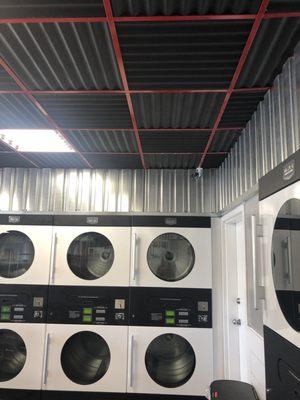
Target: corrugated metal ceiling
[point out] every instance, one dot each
(190, 55)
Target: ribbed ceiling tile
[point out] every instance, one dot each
(57, 160)
(172, 161)
(114, 161)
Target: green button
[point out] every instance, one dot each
(5, 309)
(170, 313)
(170, 321)
(87, 311)
(5, 317)
(87, 318)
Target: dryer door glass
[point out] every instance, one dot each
(85, 358)
(171, 257)
(12, 354)
(16, 254)
(170, 360)
(285, 261)
(90, 256)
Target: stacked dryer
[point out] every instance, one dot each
(280, 215)
(170, 333)
(25, 257)
(87, 330)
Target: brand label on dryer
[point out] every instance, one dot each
(92, 220)
(14, 219)
(289, 170)
(171, 221)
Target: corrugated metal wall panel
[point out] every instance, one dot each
(271, 136)
(81, 190)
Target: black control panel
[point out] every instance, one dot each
(88, 305)
(23, 303)
(185, 308)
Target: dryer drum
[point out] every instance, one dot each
(85, 358)
(16, 254)
(170, 360)
(171, 257)
(12, 354)
(90, 256)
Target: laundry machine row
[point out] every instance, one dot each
(279, 193)
(98, 335)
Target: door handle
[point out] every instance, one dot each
(130, 361)
(45, 369)
(258, 291)
(237, 322)
(133, 257)
(53, 258)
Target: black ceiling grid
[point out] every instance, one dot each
(87, 111)
(183, 110)
(66, 56)
(118, 141)
(182, 55)
(51, 8)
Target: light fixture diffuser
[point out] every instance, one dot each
(36, 140)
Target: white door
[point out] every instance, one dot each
(169, 360)
(21, 356)
(86, 358)
(166, 257)
(25, 253)
(91, 256)
(235, 301)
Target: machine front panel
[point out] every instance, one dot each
(23, 303)
(18, 394)
(88, 305)
(184, 308)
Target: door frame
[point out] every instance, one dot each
(234, 217)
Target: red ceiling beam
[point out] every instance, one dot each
(154, 91)
(118, 53)
(159, 18)
(255, 27)
(38, 105)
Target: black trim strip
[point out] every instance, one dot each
(25, 219)
(172, 221)
(92, 220)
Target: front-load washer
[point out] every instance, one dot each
(170, 342)
(22, 339)
(91, 250)
(171, 252)
(25, 249)
(86, 342)
(280, 217)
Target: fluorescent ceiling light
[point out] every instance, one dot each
(35, 140)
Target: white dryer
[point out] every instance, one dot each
(25, 249)
(280, 215)
(171, 252)
(91, 250)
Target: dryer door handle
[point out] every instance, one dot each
(130, 361)
(133, 256)
(53, 258)
(45, 366)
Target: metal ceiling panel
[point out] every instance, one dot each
(284, 5)
(13, 160)
(181, 110)
(66, 56)
(183, 7)
(172, 142)
(114, 161)
(172, 161)
(223, 141)
(4, 147)
(51, 8)
(214, 161)
(6, 82)
(57, 160)
(273, 45)
(87, 110)
(103, 141)
(181, 55)
(240, 108)
(16, 111)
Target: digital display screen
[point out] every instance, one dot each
(5, 317)
(170, 313)
(87, 318)
(5, 309)
(87, 311)
(170, 321)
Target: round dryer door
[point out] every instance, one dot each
(12, 354)
(285, 261)
(85, 358)
(171, 257)
(170, 360)
(90, 256)
(16, 254)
